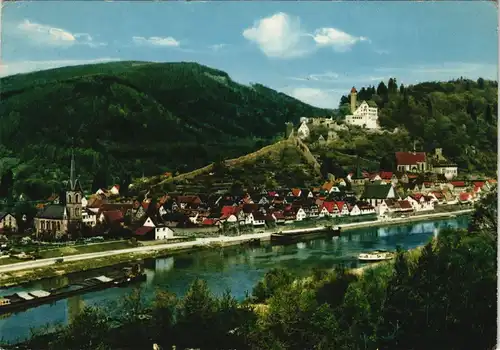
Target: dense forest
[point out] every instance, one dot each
(442, 296)
(125, 119)
(459, 116)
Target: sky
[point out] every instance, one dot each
(314, 51)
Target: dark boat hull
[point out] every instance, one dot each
(255, 242)
(27, 304)
(298, 236)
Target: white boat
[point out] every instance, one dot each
(377, 255)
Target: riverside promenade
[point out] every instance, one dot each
(221, 241)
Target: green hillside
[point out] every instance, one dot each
(278, 165)
(129, 118)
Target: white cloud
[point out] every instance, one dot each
(323, 98)
(323, 77)
(217, 47)
(339, 40)
(11, 68)
(41, 34)
(156, 41)
(281, 36)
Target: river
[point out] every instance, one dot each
(235, 268)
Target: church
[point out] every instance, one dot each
(60, 218)
(364, 115)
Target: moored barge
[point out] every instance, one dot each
(25, 300)
(297, 235)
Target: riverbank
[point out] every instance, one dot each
(15, 274)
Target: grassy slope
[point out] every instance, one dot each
(279, 164)
(134, 117)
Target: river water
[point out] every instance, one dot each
(235, 268)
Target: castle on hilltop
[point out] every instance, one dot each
(362, 115)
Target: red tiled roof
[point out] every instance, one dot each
(330, 206)
(412, 176)
(492, 181)
(479, 184)
(438, 194)
(340, 205)
(113, 216)
(229, 210)
(279, 215)
(209, 222)
(272, 194)
(465, 196)
(417, 196)
(117, 187)
(296, 192)
(250, 208)
(188, 199)
(405, 205)
(141, 231)
(410, 158)
(386, 175)
(458, 183)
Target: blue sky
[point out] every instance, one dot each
(315, 51)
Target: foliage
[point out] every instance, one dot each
(128, 118)
(459, 116)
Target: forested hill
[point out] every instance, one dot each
(126, 118)
(460, 116)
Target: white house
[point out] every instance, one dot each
(343, 209)
(89, 217)
(232, 219)
(364, 115)
(366, 209)
(259, 219)
(85, 202)
(161, 230)
(115, 190)
(248, 218)
(375, 193)
(303, 132)
(103, 191)
(300, 215)
(8, 221)
(355, 211)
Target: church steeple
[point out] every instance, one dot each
(72, 181)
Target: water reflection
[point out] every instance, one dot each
(237, 268)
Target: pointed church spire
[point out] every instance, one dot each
(72, 181)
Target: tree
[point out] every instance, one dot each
(480, 83)
(6, 183)
(488, 114)
(273, 280)
(382, 90)
(196, 311)
(402, 89)
(100, 180)
(88, 331)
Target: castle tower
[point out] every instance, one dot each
(354, 95)
(74, 195)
